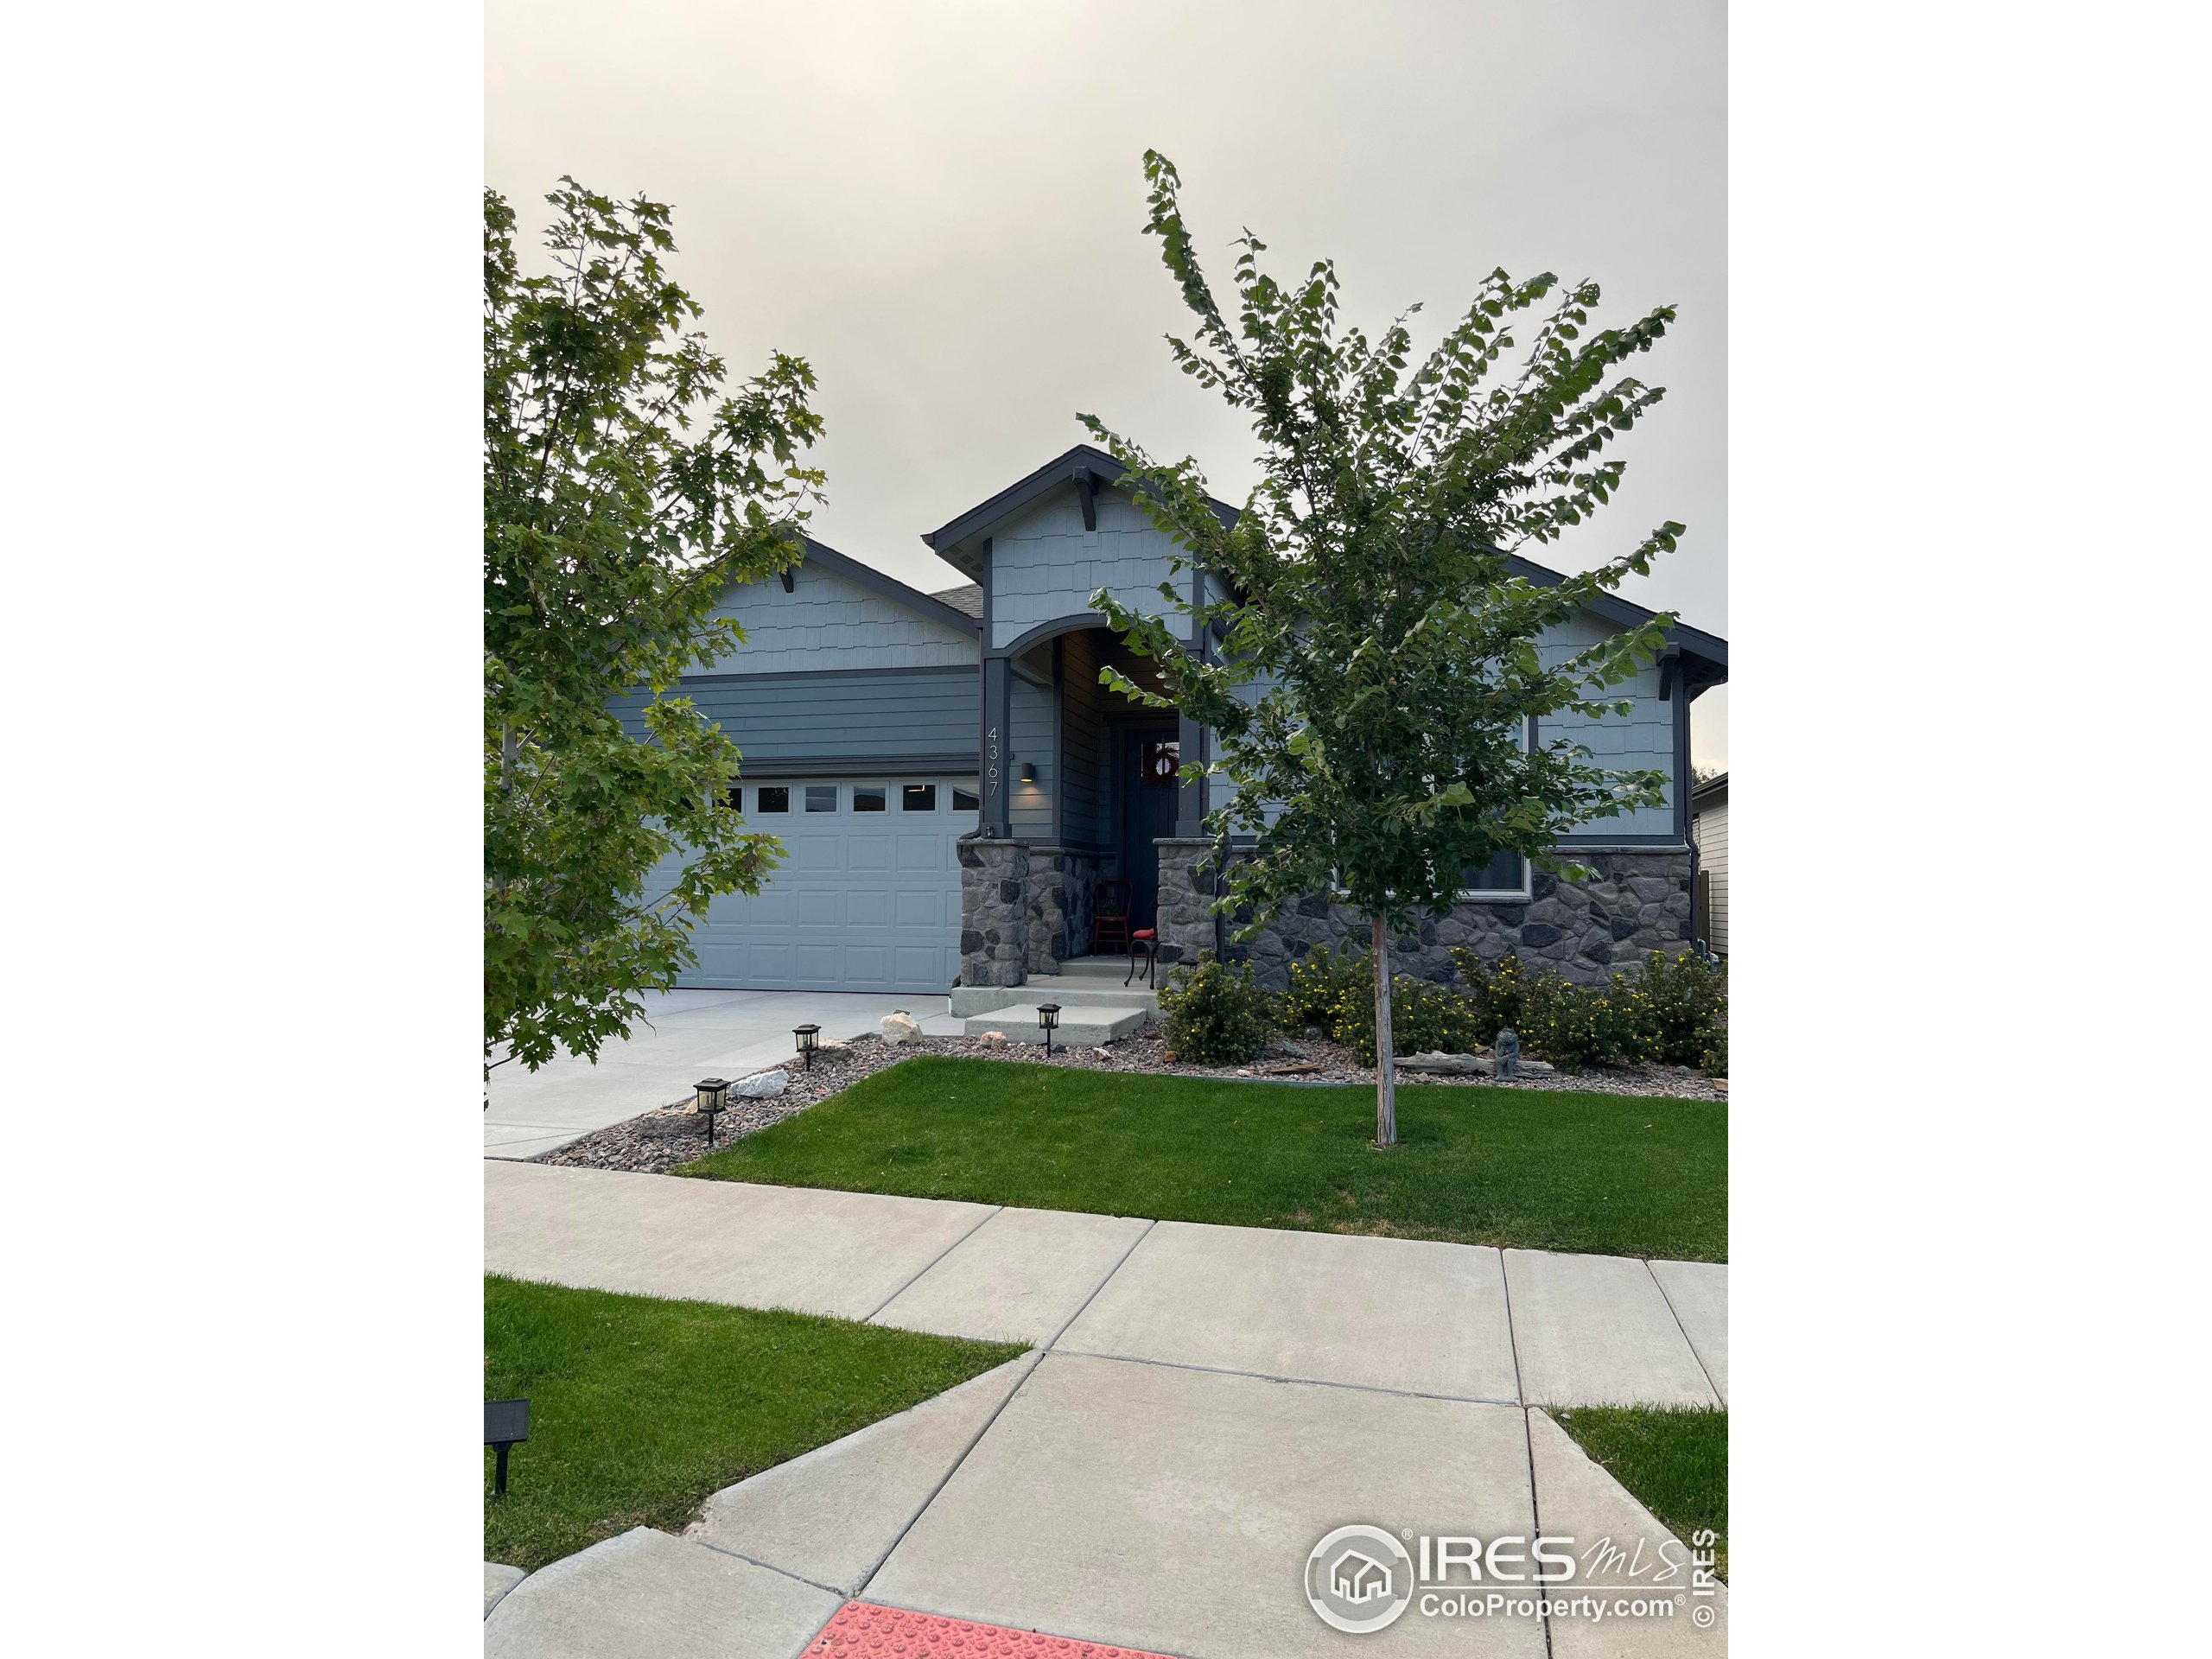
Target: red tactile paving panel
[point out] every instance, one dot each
(863, 1630)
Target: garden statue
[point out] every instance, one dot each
(1508, 1051)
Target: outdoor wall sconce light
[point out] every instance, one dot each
(809, 1038)
(506, 1422)
(1048, 1015)
(1029, 772)
(713, 1094)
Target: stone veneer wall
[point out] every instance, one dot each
(994, 912)
(1063, 900)
(1187, 886)
(1639, 902)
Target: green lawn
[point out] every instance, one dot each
(1612, 1174)
(1675, 1461)
(640, 1409)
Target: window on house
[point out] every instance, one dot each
(733, 797)
(822, 797)
(870, 798)
(1506, 876)
(772, 797)
(918, 797)
(966, 800)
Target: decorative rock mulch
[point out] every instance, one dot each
(659, 1140)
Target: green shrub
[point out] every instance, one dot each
(1678, 1005)
(1215, 1015)
(1672, 1012)
(1323, 988)
(1497, 991)
(1713, 1060)
(1576, 1026)
(1423, 1017)
(1337, 993)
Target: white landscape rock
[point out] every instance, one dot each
(900, 1026)
(1442, 1065)
(766, 1086)
(992, 1039)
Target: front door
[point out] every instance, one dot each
(1150, 762)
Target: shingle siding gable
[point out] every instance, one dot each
(826, 622)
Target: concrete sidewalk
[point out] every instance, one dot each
(1201, 1405)
(1406, 1316)
(684, 1036)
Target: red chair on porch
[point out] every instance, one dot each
(1110, 926)
(1144, 943)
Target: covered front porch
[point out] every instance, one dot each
(1081, 800)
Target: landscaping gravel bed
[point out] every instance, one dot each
(675, 1133)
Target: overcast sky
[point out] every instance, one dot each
(937, 204)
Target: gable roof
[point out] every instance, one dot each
(957, 543)
(1707, 653)
(829, 558)
(954, 542)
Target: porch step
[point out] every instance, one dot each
(1069, 990)
(1083, 1024)
(1103, 969)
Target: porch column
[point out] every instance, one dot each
(1191, 798)
(997, 816)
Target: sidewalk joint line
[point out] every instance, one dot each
(765, 1566)
(1297, 1381)
(1512, 1339)
(1535, 1509)
(995, 1210)
(1036, 1357)
(1686, 1343)
(1528, 1440)
(1119, 1263)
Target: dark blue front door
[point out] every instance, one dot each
(1149, 759)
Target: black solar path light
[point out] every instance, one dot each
(714, 1096)
(809, 1038)
(506, 1422)
(1048, 1015)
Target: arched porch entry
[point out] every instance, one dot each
(1078, 781)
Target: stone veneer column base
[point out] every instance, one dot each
(994, 912)
(1187, 879)
(1063, 900)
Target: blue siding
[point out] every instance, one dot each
(1030, 738)
(813, 716)
(1045, 565)
(1084, 741)
(827, 622)
(1644, 739)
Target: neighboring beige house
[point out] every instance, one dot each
(1709, 835)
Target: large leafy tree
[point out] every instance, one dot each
(624, 490)
(1364, 650)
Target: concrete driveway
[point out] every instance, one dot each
(684, 1036)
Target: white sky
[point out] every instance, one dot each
(938, 204)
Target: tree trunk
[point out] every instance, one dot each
(1386, 1081)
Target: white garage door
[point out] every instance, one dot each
(867, 898)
